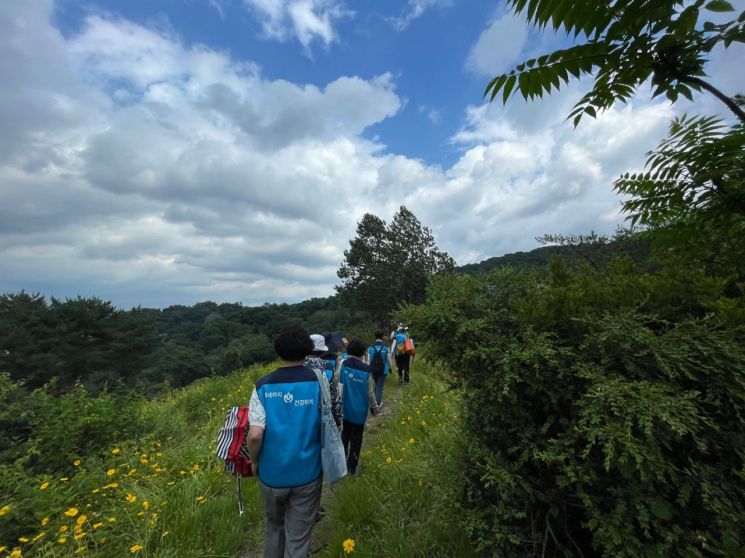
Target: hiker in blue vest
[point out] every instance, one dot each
(379, 359)
(358, 397)
(325, 361)
(402, 358)
(284, 442)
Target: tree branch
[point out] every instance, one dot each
(730, 102)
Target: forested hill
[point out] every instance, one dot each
(89, 340)
(574, 250)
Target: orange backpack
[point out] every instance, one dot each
(409, 348)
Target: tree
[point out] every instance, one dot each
(387, 265)
(627, 43)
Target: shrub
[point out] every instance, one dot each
(604, 408)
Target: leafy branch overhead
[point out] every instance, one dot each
(626, 43)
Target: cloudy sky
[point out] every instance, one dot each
(157, 152)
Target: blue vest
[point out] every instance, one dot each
(400, 339)
(354, 376)
(383, 354)
(291, 448)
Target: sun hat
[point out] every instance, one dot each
(319, 343)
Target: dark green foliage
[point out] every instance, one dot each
(574, 250)
(44, 432)
(387, 265)
(604, 408)
(626, 43)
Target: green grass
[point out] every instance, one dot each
(181, 503)
(403, 501)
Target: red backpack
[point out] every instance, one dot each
(232, 447)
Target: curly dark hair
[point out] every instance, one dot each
(293, 343)
(357, 347)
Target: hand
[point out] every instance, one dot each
(255, 468)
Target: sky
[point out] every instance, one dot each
(159, 152)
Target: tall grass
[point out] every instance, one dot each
(163, 494)
(403, 502)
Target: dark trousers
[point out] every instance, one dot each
(351, 437)
(402, 363)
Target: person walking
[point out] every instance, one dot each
(358, 397)
(284, 442)
(379, 359)
(401, 356)
(323, 360)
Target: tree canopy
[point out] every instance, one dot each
(387, 265)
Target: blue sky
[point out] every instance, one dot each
(159, 152)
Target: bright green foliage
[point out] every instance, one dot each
(603, 408)
(693, 190)
(404, 500)
(626, 43)
(139, 473)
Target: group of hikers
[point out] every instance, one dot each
(284, 440)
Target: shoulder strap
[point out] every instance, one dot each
(324, 385)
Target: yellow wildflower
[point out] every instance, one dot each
(388, 459)
(131, 472)
(182, 472)
(82, 519)
(144, 460)
(95, 491)
(72, 512)
(97, 525)
(79, 536)
(140, 514)
(112, 485)
(165, 533)
(80, 550)
(4, 510)
(111, 520)
(135, 548)
(348, 546)
(411, 440)
(45, 521)
(16, 553)
(424, 423)
(37, 537)
(62, 540)
(63, 528)
(111, 472)
(200, 498)
(131, 499)
(64, 479)
(3, 548)
(116, 451)
(146, 505)
(44, 486)
(23, 539)
(76, 462)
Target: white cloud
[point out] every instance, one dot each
(414, 10)
(499, 45)
(143, 170)
(305, 20)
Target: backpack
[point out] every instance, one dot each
(232, 447)
(376, 364)
(400, 343)
(409, 348)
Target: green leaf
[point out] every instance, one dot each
(719, 6)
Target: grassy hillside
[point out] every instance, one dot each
(163, 493)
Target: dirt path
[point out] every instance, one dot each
(391, 398)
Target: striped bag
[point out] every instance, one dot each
(232, 448)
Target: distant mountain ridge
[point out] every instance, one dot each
(593, 251)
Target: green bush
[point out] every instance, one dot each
(604, 408)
